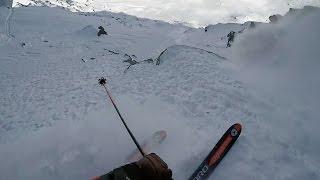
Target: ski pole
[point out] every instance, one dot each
(102, 82)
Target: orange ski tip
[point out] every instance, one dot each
(238, 126)
(96, 178)
(159, 136)
(163, 133)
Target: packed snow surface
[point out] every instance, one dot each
(57, 123)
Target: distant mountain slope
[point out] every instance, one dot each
(71, 5)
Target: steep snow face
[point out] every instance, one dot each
(6, 3)
(185, 82)
(3, 15)
(280, 63)
(49, 74)
(56, 122)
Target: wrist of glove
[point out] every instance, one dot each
(149, 167)
(153, 167)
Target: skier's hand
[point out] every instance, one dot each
(149, 167)
(153, 167)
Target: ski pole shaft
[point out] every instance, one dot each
(102, 82)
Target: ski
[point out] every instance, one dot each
(217, 153)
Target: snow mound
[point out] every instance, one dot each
(187, 76)
(172, 52)
(224, 28)
(88, 31)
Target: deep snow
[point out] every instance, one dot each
(56, 122)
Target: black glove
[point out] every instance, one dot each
(150, 167)
(153, 167)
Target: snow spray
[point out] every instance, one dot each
(103, 82)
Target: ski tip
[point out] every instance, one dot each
(96, 178)
(235, 130)
(238, 126)
(159, 136)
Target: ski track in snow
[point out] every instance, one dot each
(56, 122)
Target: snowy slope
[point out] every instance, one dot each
(194, 13)
(56, 122)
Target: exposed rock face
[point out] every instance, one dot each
(230, 36)
(101, 31)
(252, 25)
(274, 18)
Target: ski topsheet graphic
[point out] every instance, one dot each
(217, 153)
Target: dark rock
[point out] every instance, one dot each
(150, 60)
(230, 36)
(252, 25)
(274, 18)
(101, 31)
